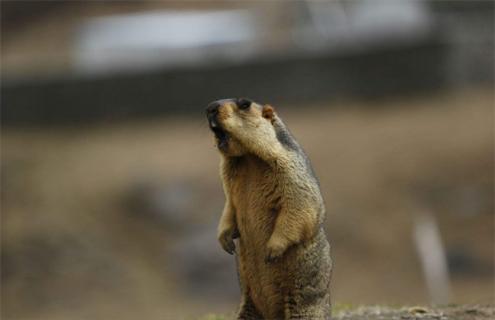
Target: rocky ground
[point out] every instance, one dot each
(465, 312)
(419, 313)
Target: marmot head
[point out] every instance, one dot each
(240, 124)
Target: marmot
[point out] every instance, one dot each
(275, 209)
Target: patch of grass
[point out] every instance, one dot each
(341, 307)
(214, 317)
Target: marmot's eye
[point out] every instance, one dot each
(243, 103)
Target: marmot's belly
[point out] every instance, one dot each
(262, 280)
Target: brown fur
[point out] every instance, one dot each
(274, 206)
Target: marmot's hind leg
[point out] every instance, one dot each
(247, 310)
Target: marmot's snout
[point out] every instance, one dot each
(212, 114)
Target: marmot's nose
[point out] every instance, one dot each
(212, 108)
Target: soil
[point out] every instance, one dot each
(420, 313)
(453, 312)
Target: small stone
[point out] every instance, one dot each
(417, 309)
(472, 311)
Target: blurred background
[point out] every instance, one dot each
(109, 176)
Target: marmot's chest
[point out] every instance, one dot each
(257, 197)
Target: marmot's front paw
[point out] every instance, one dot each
(226, 239)
(275, 249)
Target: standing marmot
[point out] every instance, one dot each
(274, 206)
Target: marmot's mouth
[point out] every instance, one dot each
(221, 135)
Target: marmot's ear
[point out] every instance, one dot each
(268, 112)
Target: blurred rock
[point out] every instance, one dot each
(192, 251)
(170, 203)
(204, 267)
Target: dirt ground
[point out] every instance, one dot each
(420, 313)
(77, 244)
(466, 312)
